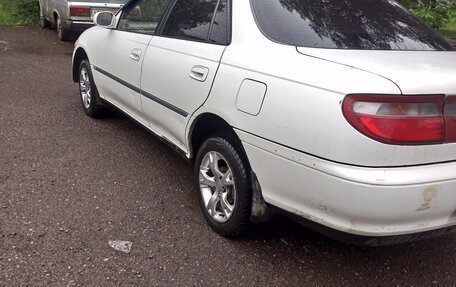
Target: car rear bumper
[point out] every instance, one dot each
(78, 26)
(367, 202)
(367, 240)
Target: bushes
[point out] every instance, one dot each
(19, 12)
(437, 13)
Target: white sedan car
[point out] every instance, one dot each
(340, 113)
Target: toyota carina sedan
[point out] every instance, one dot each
(339, 113)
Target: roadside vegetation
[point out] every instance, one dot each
(18, 12)
(449, 28)
(5, 19)
(439, 14)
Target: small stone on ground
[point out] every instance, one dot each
(119, 245)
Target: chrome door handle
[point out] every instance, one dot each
(199, 73)
(135, 54)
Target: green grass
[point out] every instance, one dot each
(18, 12)
(5, 18)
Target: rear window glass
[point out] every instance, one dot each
(345, 24)
(190, 19)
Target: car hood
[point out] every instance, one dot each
(414, 72)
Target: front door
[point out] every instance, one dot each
(121, 54)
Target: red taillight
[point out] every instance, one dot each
(80, 11)
(450, 119)
(403, 120)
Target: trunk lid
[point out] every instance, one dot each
(414, 72)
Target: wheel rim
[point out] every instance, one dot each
(85, 88)
(217, 187)
(59, 28)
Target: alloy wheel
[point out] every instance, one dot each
(85, 88)
(59, 28)
(217, 187)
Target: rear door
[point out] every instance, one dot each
(181, 63)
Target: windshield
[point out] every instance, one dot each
(346, 24)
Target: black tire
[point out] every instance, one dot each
(44, 23)
(90, 99)
(62, 33)
(238, 223)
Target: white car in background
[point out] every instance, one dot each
(340, 113)
(73, 16)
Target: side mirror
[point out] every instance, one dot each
(105, 19)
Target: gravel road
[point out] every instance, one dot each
(70, 184)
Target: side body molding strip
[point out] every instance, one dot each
(143, 93)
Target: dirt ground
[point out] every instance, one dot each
(70, 184)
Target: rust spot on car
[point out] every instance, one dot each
(428, 196)
(319, 206)
(311, 217)
(422, 225)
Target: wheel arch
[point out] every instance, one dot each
(206, 125)
(79, 55)
(55, 15)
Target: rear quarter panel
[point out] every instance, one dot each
(302, 107)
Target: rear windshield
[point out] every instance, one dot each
(346, 24)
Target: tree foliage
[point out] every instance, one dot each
(435, 12)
